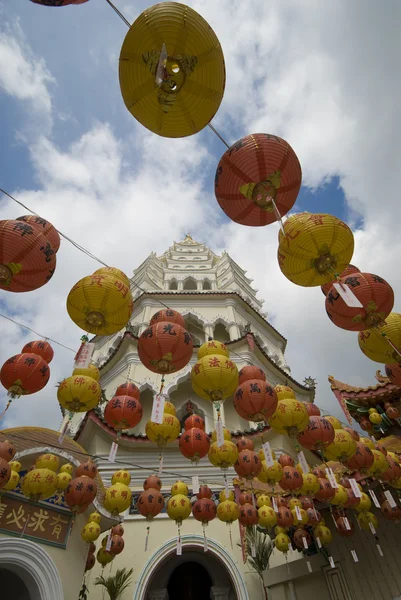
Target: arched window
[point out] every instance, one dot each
(220, 333)
(206, 285)
(190, 284)
(173, 285)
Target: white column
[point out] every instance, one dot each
(199, 285)
(158, 594)
(234, 331)
(180, 285)
(208, 331)
(219, 593)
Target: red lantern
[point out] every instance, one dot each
(204, 510)
(250, 372)
(345, 482)
(80, 492)
(392, 412)
(285, 460)
(41, 348)
(204, 492)
(117, 530)
(393, 372)
(318, 435)
(194, 421)
(88, 469)
(348, 271)
(375, 295)
(393, 472)
(150, 503)
(313, 517)
(319, 472)
(128, 389)
(312, 409)
(245, 444)
(7, 450)
(291, 480)
(255, 400)
(245, 498)
(123, 412)
(194, 444)
(90, 561)
(5, 472)
(248, 464)
(117, 545)
(165, 347)
(27, 259)
(48, 230)
(299, 536)
(281, 501)
(325, 492)
(381, 449)
(24, 374)
(352, 499)
(354, 434)
(390, 513)
(254, 171)
(306, 502)
(154, 482)
(168, 316)
(248, 515)
(284, 517)
(365, 424)
(345, 528)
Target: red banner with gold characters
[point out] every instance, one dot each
(34, 521)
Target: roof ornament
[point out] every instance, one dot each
(309, 382)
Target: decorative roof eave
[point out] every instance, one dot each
(383, 390)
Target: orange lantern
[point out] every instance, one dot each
(347, 271)
(390, 513)
(250, 372)
(318, 434)
(41, 348)
(27, 259)
(91, 559)
(319, 472)
(312, 409)
(152, 482)
(248, 515)
(204, 492)
(285, 460)
(392, 412)
(306, 502)
(246, 444)
(150, 503)
(165, 347)
(194, 421)
(354, 434)
(245, 498)
(248, 464)
(5, 472)
(362, 460)
(344, 528)
(255, 171)
(284, 517)
(86, 469)
(291, 480)
(299, 536)
(7, 450)
(123, 412)
(80, 492)
(117, 530)
(352, 499)
(167, 316)
(128, 389)
(314, 517)
(194, 444)
(373, 292)
(204, 510)
(117, 545)
(325, 492)
(255, 400)
(45, 227)
(24, 374)
(393, 471)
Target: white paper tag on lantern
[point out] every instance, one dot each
(179, 546)
(303, 463)
(195, 484)
(305, 543)
(158, 409)
(372, 528)
(331, 561)
(113, 452)
(108, 543)
(84, 355)
(331, 478)
(275, 507)
(379, 549)
(354, 556)
(160, 466)
(226, 489)
(63, 432)
(268, 454)
(309, 566)
(319, 543)
(219, 433)
(390, 499)
(374, 498)
(253, 550)
(355, 488)
(347, 525)
(298, 513)
(315, 513)
(160, 75)
(347, 295)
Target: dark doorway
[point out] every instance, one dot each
(189, 581)
(13, 586)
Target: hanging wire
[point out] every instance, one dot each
(43, 337)
(128, 24)
(218, 134)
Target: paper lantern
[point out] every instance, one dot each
(58, 3)
(5, 473)
(194, 444)
(246, 443)
(282, 542)
(152, 482)
(100, 304)
(286, 460)
(63, 481)
(261, 454)
(80, 493)
(67, 468)
(310, 484)
(248, 515)
(375, 418)
(248, 464)
(284, 391)
(376, 343)
(90, 532)
(90, 559)
(245, 498)
(47, 461)
(24, 374)
(121, 476)
(123, 412)
(168, 316)
(172, 83)
(228, 511)
(340, 497)
(393, 413)
(263, 500)
(12, 482)
(46, 228)
(162, 433)
(313, 517)
(255, 400)
(226, 434)
(179, 487)
(179, 508)
(284, 517)
(150, 503)
(325, 491)
(354, 434)
(194, 421)
(117, 530)
(38, 484)
(362, 460)
(41, 348)
(389, 512)
(324, 534)
(204, 510)
(7, 450)
(79, 394)
(367, 442)
(293, 502)
(165, 347)
(87, 469)
(128, 389)
(223, 496)
(267, 517)
(255, 171)
(319, 472)
(27, 259)
(272, 474)
(114, 273)
(291, 479)
(117, 498)
(104, 557)
(347, 271)
(318, 435)
(364, 503)
(380, 464)
(302, 538)
(212, 347)
(223, 456)
(312, 409)
(342, 448)
(214, 377)
(204, 492)
(373, 292)
(250, 372)
(313, 248)
(300, 517)
(336, 423)
(290, 417)
(117, 545)
(345, 528)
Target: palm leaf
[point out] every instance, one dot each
(116, 585)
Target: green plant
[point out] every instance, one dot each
(263, 548)
(116, 585)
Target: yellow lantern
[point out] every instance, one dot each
(368, 442)
(63, 481)
(213, 347)
(270, 475)
(226, 433)
(179, 508)
(284, 391)
(169, 409)
(340, 497)
(100, 304)
(89, 371)
(366, 518)
(375, 418)
(67, 468)
(278, 530)
(162, 433)
(179, 487)
(121, 477)
(79, 394)
(228, 511)
(342, 448)
(39, 484)
(364, 503)
(374, 342)
(47, 461)
(324, 534)
(290, 417)
(267, 517)
(396, 484)
(223, 456)
(95, 517)
(117, 498)
(314, 249)
(294, 502)
(310, 485)
(104, 557)
(335, 422)
(15, 465)
(282, 542)
(12, 482)
(263, 500)
(300, 521)
(172, 72)
(223, 497)
(114, 272)
(261, 454)
(380, 464)
(214, 377)
(90, 532)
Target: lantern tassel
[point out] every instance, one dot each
(6, 409)
(147, 538)
(231, 539)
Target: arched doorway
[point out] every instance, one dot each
(13, 586)
(189, 581)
